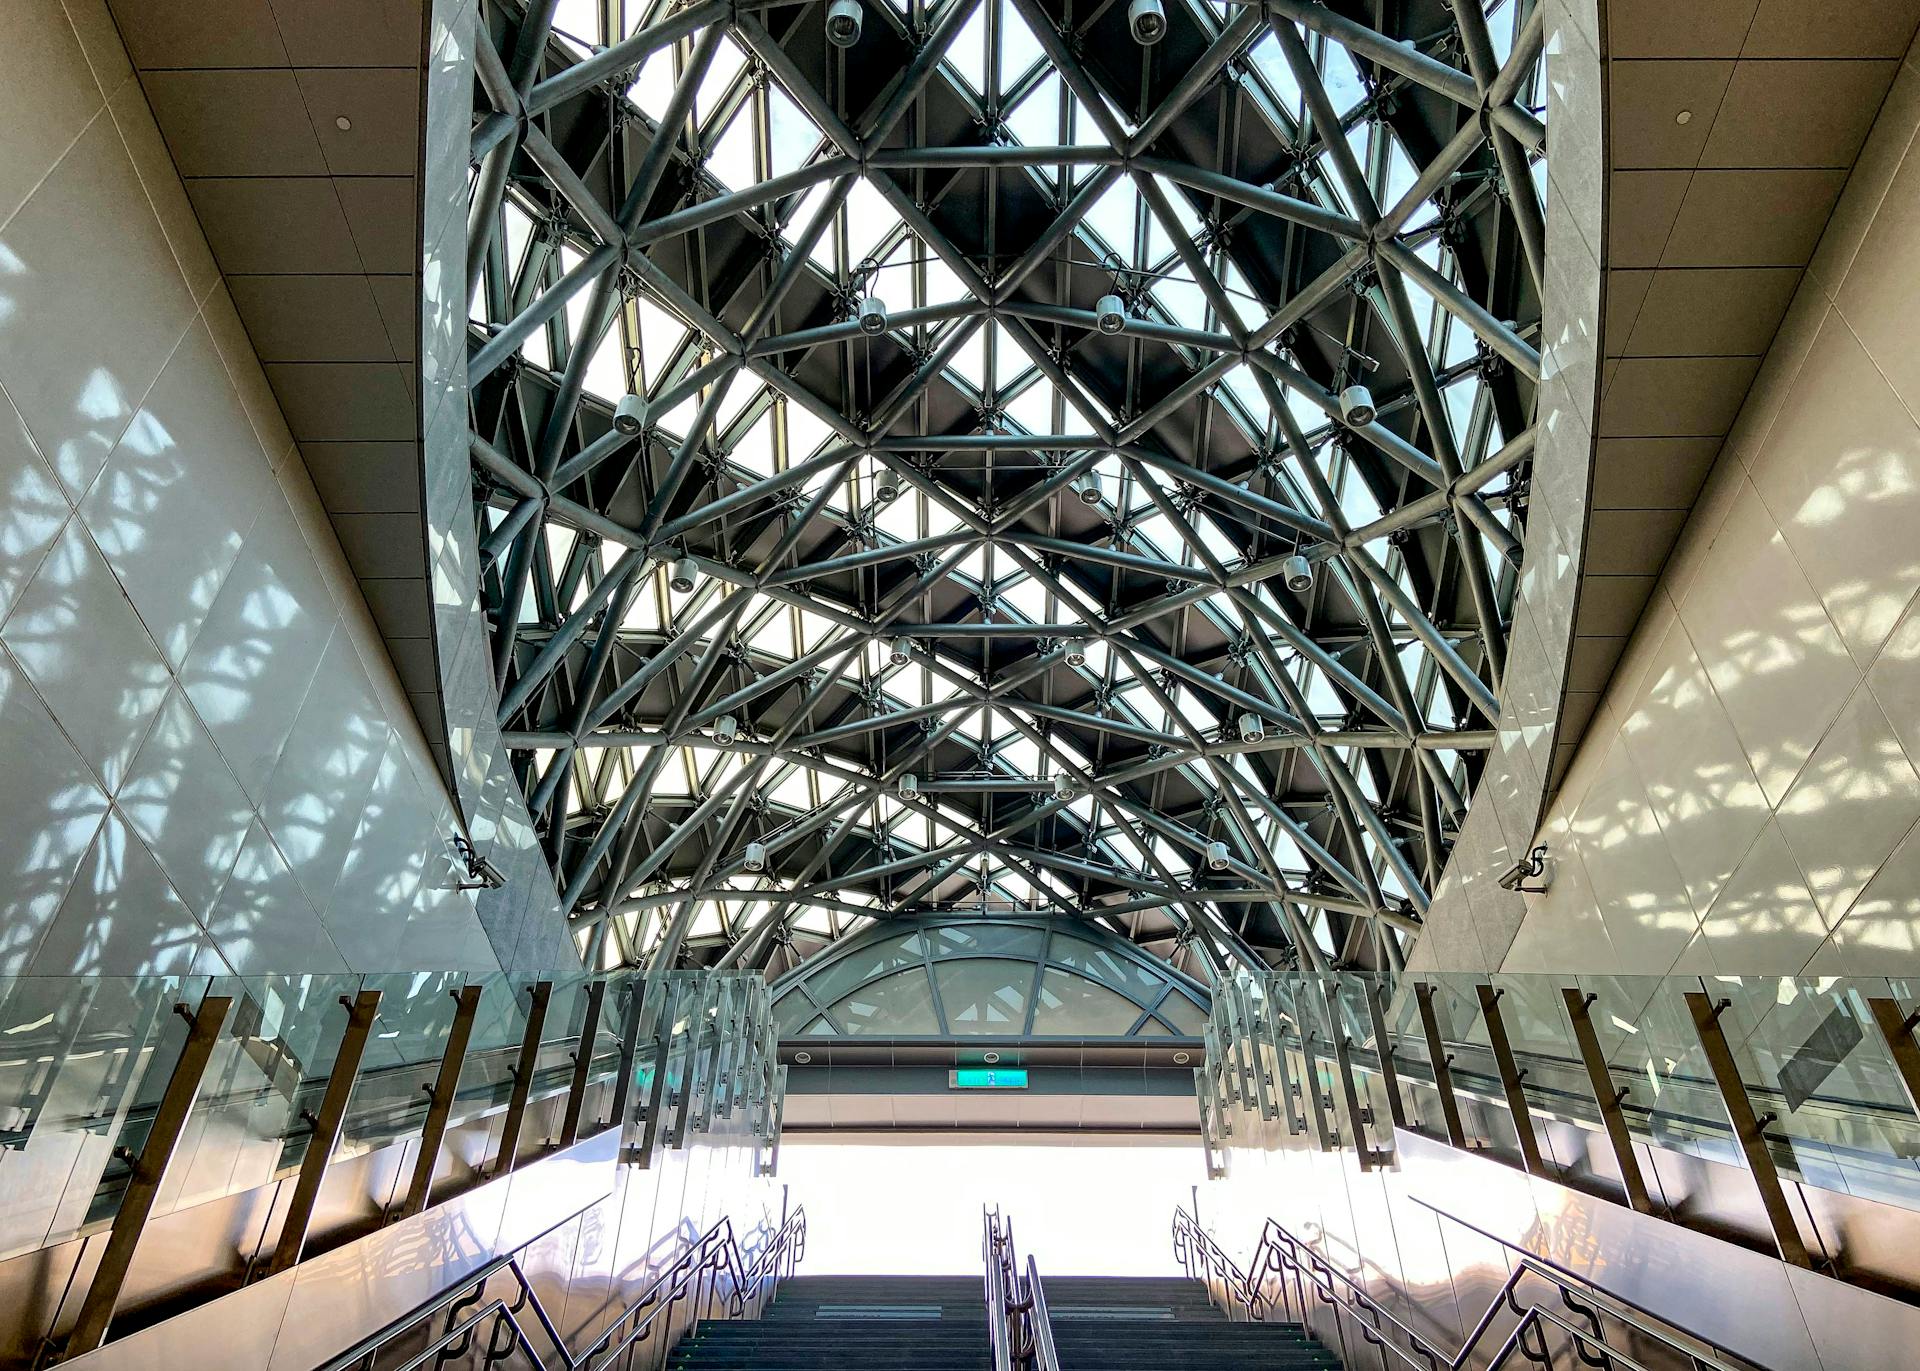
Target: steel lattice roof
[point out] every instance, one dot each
(988, 608)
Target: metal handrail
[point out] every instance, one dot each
(694, 1278)
(1019, 1331)
(1283, 1257)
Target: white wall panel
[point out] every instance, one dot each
(1745, 800)
(210, 762)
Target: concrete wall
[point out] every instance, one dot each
(210, 762)
(1745, 799)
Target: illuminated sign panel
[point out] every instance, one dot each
(987, 1078)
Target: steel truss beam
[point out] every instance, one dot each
(579, 686)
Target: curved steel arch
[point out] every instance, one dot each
(1261, 773)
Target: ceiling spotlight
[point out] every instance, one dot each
(1217, 855)
(898, 651)
(1062, 787)
(1148, 20)
(725, 729)
(756, 858)
(1087, 486)
(681, 577)
(1179, 1058)
(1356, 406)
(873, 316)
(1297, 572)
(802, 1058)
(1076, 650)
(345, 125)
(630, 414)
(886, 486)
(1253, 728)
(1110, 315)
(843, 23)
(909, 784)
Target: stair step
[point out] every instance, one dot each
(938, 1323)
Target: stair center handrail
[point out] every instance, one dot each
(1283, 1255)
(695, 1276)
(1019, 1331)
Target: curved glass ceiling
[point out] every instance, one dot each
(1078, 579)
(1008, 977)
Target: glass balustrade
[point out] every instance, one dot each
(85, 1065)
(1818, 1060)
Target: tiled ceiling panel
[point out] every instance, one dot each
(296, 126)
(1732, 127)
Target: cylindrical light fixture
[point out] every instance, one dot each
(1148, 20)
(873, 316)
(1076, 651)
(1217, 855)
(1252, 728)
(843, 23)
(630, 415)
(756, 859)
(725, 729)
(1087, 486)
(1297, 572)
(681, 577)
(1356, 406)
(1110, 315)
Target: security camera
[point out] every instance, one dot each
(1148, 20)
(725, 729)
(1531, 867)
(756, 858)
(886, 486)
(481, 874)
(1110, 315)
(1297, 572)
(1356, 406)
(630, 414)
(1252, 728)
(843, 23)
(1217, 855)
(1076, 652)
(873, 316)
(681, 577)
(1087, 486)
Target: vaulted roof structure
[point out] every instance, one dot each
(1000, 465)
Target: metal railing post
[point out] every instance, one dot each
(582, 1065)
(1897, 1026)
(136, 1204)
(1512, 1080)
(1439, 1058)
(1343, 1067)
(539, 993)
(1383, 1049)
(1749, 1130)
(1607, 1098)
(446, 1085)
(362, 1009)
(636, 997)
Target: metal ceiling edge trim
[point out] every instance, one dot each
(1511, 799)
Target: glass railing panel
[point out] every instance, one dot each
(1814, 1058)
(82, 1064)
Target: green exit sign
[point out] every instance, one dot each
(987, 1078)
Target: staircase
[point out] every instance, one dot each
(849, 1323)
(1110, 1323)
